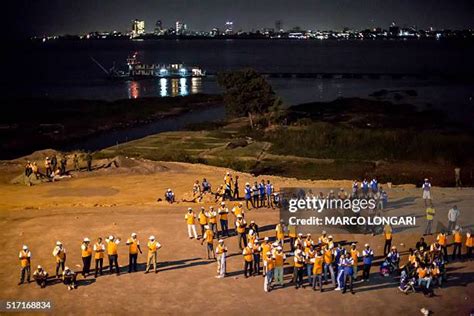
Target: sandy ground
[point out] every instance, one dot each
(121, 201)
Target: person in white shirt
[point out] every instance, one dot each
(453, 215)
(426, 188)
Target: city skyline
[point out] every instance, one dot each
(58, 17)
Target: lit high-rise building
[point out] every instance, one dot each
(138, 27)
(278, 26)
(179, 27)
(158, 27)
(229, 27)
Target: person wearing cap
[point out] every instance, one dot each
(190, 219)
(442, 241)
(279, 257)
(254, 227)
(317, 262)
(368, 256)
(241, 226)
(269, 193)
(237, 210)
(330, 242)
(323, 239)
(25, 264)
(59, 253)
(387, 233)
(212, 219)
(394, 259)
(247, 252)
(221, 251)
(280, 229)
(267, 281)
(86, 254)
(457, 242)
(257, 249)
(255, 195)
(40, 276)
(309, 254)
(292, 234)
(69, 278)
(152, 257)
(169, 196)
(354, 253)
(251, 236)
(202, 217)
(112, 245)
(430, 213)
(209, 239)
(223, 212)
(227, 178)
(298, 268)
(99, 249)
(133, 248)
(261, 189)
(426, 188)
(299, 241)
(347, 264)
(328, 257)
(248, 196)
(265, 246)
(469, 244)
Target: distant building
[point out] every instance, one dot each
(180, 27)
(278, 26)
(138, 28)
(229, 27)
(394, 30)
(158, 27)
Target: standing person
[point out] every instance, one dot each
(152, 258)
(248, 260)
(430, 213)
(221, 252)
(355, 259)
(235, 194)
(426, 188)
(309, 256)
(255, 195)
(190, 219)
(248, 196)
(368, 256)
(469, 245)
(348, 268)
(298, 268)
(63, 165)
(328, 265)
(374, 187)
(209, 239)
(266, 247)
(69, 278)
(257, 249)
(202, 220)
(241, 226)
(269, 193)
(89, 161)
(47, 166)
(355, 188)
(261, 191)
(253, 226)
(453, 215)
(60, 255)
(54, 162)
(212, 219)
(279, 257)
(387, 232)
(457, 178)
(318, 270)
(25, 264)
(40, 276)
(280, 232)
(457, 242)
(364, 187)
(75, 160)
(133, 248)
(112, 244)
(86, 254)
(442, 241)
(223, 212)
(99, 249)
(270, 263)
(292, 235)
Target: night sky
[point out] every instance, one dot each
(56, 17)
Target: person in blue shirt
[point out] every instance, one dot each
(394, 259)
(248, 196)
(368, 256)
(374, 187)
(268, 193)
(206, 186)
(169, 196)
(261, 191)
(348, 267)
(365, 188)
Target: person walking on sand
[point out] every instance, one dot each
(190, 219)
(86, 254)
(54, 162)
(442, 241)
(59, 253)
(99, 249)
(152, 258)
(221, 252)
(202, 217)
(453, 215)
(430, 213)
(25, 264)
(426, 188)
(112, 245)
(469, 245)
(223, 212)
(133, 248)
(209, 239)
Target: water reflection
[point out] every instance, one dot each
(163, 87)
(133, 89)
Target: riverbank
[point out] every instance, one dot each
(45, 123)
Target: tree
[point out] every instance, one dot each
(246, 93)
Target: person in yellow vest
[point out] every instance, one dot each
(223, 212)
(112, 245)
(355, 258)
(86, 254)
(308, 242)
(299, 241)
(212, 220)
(280, 232)
(221, 252)
(457, 243)
(257, 249)
(190, 219)
(298, 268)
(238, 209)
(133, 248)
(430, 213)
(279, 257)
(25, 264)
(69, 278)
(309, 255)
(248, 260)
(330, 242)
(265, 246)
(267, 281)
(292, 235)
(59, 253)
(328, 257)
(317, 270)
(202, 221)
(99, 249)
(323, 239)
(241, 227)
(40, 276)
(251, 236)
(442, 240)
(387, 234)
(228, 179)
(152, 258)
(469, 245)
(209, 239)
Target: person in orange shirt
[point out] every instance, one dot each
(318, 269)
(99, 249)
(209, 239)
(457, 243)
(292, 235)
(112, 244)
(202, 221)
(442, 240)
(267, 282)
(355, 257)
(424, 277)
(298, 268)
(241, 227)
(25, 263)
(469, 245)
(133, 248)
(387, 233)
(280, 232)
(223, 212)
(248, 260)
(279, 257)
(86, 254)
(328, 257)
